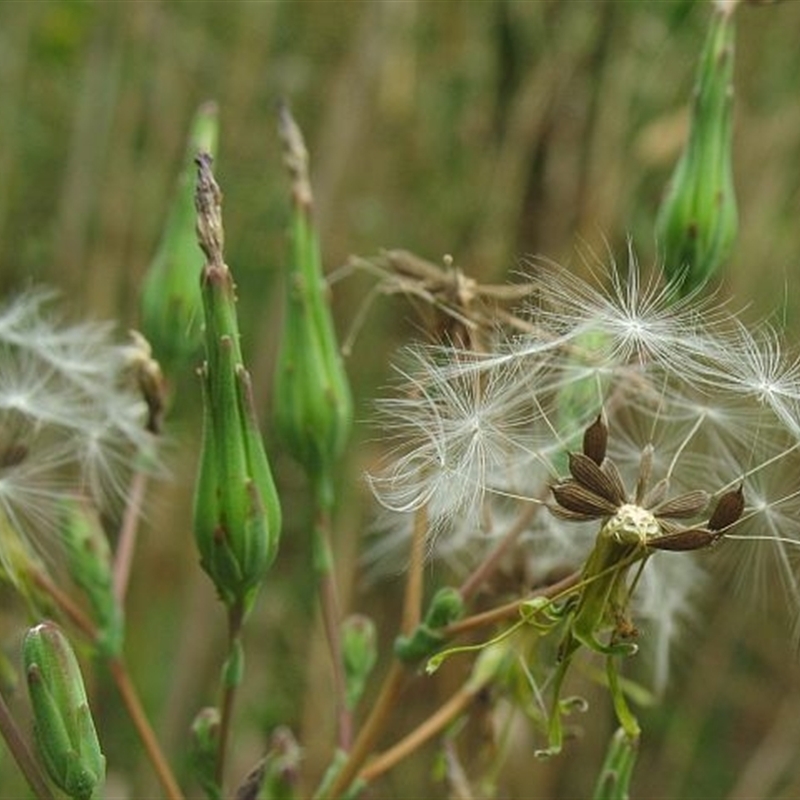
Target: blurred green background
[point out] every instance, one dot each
(489, 130)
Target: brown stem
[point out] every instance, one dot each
(485, 568)
(329, 602)
(412, 601)
(134, 708)
(429, 728)
(127, 536)
(67, 605)
(510, 610)
(27, 764)
(371, 730)
(447, 712)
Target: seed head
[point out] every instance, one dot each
(666, 422)
(72, 422)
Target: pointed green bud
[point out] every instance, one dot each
(171, 307)
(312, 403)
(203, 750)
(63, 726)
(89, 565)
(237, 515)
(447, 605)
(359, 653)
(697, 222)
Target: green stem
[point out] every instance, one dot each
(231, 678)
(624, 714)
(331, 620)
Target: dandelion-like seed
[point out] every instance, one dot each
(70, 423)
(659, 422)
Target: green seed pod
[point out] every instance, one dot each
(359, 654)
(89, 565)
(697, 222)
(237, 514)
(312, 403)
(171, 304)
(63, 726)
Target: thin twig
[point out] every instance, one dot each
(134, 708)
(510, 610)
(69, 608)
(371, 730)
(434, 724)
(486, 567)
(21, 754)
(126, 547)
(412, 600)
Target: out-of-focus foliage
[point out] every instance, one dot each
(486, 130)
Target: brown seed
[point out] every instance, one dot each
(683, 506)
(595, 440)
(586, 472)
(574, 497)
(727, 511)
(690, 539)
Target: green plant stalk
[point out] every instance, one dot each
(615, 775)
(312, 404)
(230, 681)
(322, 554)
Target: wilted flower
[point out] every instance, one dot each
(71, 421)
(713, 406)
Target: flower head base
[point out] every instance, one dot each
(596, 491)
